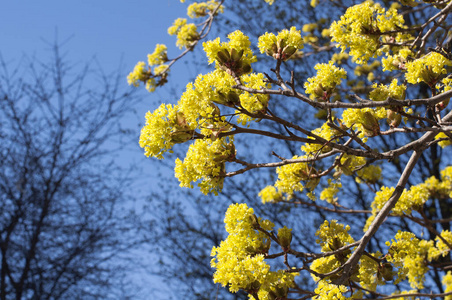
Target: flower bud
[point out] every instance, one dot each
(442, 105)
(394, 119)
(181, 136)
(370, 124)
(254, 221)
(288, 52)
(386, 271)
(285, 238)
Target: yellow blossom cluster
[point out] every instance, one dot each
(443, 143)
(328, 291)
(282, 46)
(159, 56)
(371, 274)
(398, 60)
(142, 74)
(270, 194)
(410, 255)
(412, 199)
(360, 29)
(205, 161)
(164, 128)
(234, 57)
(364, 121)
(291, 175)
(333, 235)
(187, 34)
(253, 102)
(441, 189)
(428, 69)
(201, 9)
(329, 193)
(325, 132)
(447, 281)
(369, 174)
(322, 86)
(351, 163)
(383, 92)
(239, 261)
(415, 197)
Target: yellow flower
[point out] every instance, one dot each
(428, 69)
(282, 46)
(322, 86)
(186, 34)
(360, 29)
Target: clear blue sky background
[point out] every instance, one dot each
(112, 31)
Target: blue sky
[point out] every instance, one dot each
(111, 30)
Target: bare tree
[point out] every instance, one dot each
(63, 224)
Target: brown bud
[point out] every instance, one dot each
(370, 123)
(442, 105)
(236, 55)
(394, 119)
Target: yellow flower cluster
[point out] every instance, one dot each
(239, 260)
(428, 69)
(270, 194)
(383, 92)
(325, 132)
(164, 128)
(329, 291)
(444, 143)
(197, 102)
(350, 163)
(237, 41)
(329, 193)
(360, 29)
(282, 46)
(159, 56)
(447, 281)
(410, 255)
(415, 197)
(322, 86)
(441, 248)
(370, 174)
(441, 189)
(397, 61)
(186, 34)
(205, 161)
(142, 74)
(291, 175)
(324, 265)
(253, 102)
(410, 199)
(369, 274)
(270, 1)
(333, 235)
(364, 120)
(201, 9)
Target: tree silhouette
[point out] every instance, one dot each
(64, 227)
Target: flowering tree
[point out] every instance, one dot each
(381, 87)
